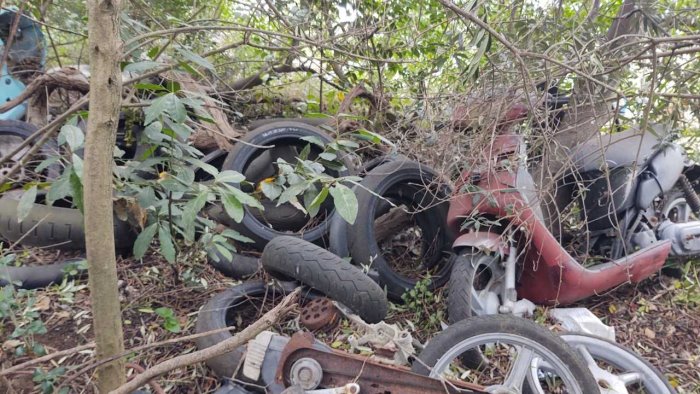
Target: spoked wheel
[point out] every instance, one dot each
(520, 356)
(617, 369)
(475, 286)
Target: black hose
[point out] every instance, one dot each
(35, 276)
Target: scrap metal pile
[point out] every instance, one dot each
(350, 273)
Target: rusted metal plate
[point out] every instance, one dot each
(340, 368)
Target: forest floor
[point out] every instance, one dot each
(658, 318)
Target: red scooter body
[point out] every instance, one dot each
(548, 273)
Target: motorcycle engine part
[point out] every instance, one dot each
(255, 355)
(517, 347)
(608, 195)
(306, 373)
(340, 368)
(685, 237)
(691, 196)
(661, 175)
(633, 369)
(582, 320)
(319, 314)
(388, 340)
(350, 388)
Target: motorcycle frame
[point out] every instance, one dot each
(548, 274)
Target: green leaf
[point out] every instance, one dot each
(193, 57)
(291, 192)
(271, 190)
(140, 67)
(166, 104)
(233, 207)
(233, 234)
(26, 203)
(345, 202)
(61, 187)
(167, 248)
(72, 135)
(314, 140)
(46, 163)
(228, 176)
(328, 156)
(245, 198)
(190, 211)
(76, 185)
(143, 241)
(315, 205)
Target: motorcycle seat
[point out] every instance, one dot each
(623, 149)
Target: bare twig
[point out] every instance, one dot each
(228, 345)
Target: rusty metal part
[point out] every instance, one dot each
(340, 368)
(320, 314)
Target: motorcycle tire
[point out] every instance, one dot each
(244, 152)
(294, 258)
(220, 312)
(468, 273)
(620, 358)
(315, 122)
(239, 267)
(338, 231)
(447, 345)
(56, 226)
(34, 276)
(22, 130)
(403, 182)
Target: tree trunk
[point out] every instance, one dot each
(105, 100)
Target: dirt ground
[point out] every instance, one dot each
(658, 318)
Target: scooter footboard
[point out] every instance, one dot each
(568, 281)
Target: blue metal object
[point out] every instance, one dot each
(27, 51)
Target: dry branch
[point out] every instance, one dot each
(267, 320)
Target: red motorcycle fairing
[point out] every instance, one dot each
(550, 275)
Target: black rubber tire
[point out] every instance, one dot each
(213, 316)
(239, 267)
(258, 123)
(338, 231)
(402, 180)
(453, 335)
(322, 270)
(459, 298)
(34, 276)
(23, 130)
(53, 226)
(245, 151)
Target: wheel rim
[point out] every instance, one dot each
(636, 370)
(678, 211)
(530, 361)
(487, 286)
(8, 143)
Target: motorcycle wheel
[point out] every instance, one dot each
(629, 370)
(475, 287)
(514, 347)
(676, 208)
